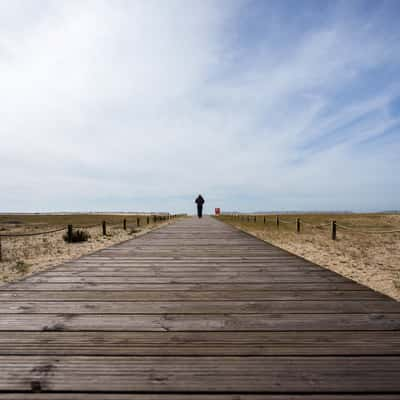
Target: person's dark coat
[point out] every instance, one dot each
(199, 201)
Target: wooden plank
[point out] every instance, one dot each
(180, 259)
(199, 322)
(184, 269)
(295, 286)
(190, 396)
(209, 374)
(201, 343)
(200, 307)
(186, 295)
(315, 279)
(158, 272)
(187, 261)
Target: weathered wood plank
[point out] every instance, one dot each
(93, 270)
(295, 286)
(200, 343)
(189, 396)
(200, 322)
(311, 278)
(158, 272)
(186, 295)
(200, 307)
(185, 374)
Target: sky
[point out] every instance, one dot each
(142, 105)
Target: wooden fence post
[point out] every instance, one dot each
(125, 224)
(298, 225)
(1, 254)
(255, 219)
(148, 220)
(104, 228)
(138, 221)
(264, 220)
(277, 221)
(69, 233)
(333, 230)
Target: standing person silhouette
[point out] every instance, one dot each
(199, 201)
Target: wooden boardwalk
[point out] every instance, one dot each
(196, 310)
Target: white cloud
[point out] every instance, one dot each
(139, 105)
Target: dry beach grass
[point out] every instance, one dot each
(370, 259)
(23, 256)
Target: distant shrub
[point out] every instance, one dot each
(21, 267)
(78, 235)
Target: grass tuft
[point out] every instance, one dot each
(78, 235)
(21, 267)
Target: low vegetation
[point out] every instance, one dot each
(78, 235)
(21, 267)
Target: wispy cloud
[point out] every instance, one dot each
(141, 105)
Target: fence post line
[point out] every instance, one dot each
(255, 219)
(277, 221)
(125, 224)
(138, 221)
(148, 220)
(264, 220)
(298, 225)
(69, 233)
(104, 228)
(333, 230)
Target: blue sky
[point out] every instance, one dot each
(258, 105)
